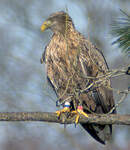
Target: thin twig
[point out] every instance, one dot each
(120, 101)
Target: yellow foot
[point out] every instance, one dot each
(65, 109)
(78, 112)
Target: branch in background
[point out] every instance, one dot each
(52, 117)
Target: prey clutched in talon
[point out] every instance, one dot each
(66, 109)
(79, 112)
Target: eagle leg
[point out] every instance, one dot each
(79, 112)
(66, 109)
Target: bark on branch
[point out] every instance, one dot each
(51, 117)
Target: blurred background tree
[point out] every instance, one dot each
(23, 79)
(121, 30)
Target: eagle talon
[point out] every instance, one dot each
(66, 109)
(78, 112)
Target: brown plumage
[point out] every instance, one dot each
(73, 65)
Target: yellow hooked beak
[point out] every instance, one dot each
(45, 25)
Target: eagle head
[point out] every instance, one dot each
(58, 22)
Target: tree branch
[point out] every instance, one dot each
(52, 117)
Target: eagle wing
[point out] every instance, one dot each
(98, 99)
